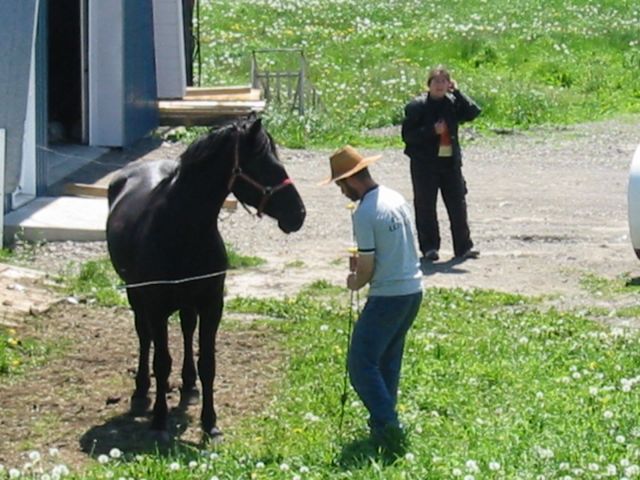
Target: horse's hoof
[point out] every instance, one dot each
(139, 405)
(189, 397)
(214, 435)
(161, 437)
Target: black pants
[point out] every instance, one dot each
(427, 179)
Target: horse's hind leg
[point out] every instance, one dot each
(161, 369)
(209, 322)
(140, 400)
(189, 391)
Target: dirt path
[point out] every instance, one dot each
(547, 209)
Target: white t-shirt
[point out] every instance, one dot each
(383, 227)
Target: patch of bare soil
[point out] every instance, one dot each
(78, 402)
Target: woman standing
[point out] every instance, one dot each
(430, 134)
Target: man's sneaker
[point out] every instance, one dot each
(469, 254)
(392, 440)
(431, 255)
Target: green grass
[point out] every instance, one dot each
(608, 287)
(97, 282)
(19, 354)
(238, 260)
(527, 62)
(489, 381)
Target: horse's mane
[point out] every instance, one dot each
(208, 145)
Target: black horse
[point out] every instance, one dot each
(164, 242)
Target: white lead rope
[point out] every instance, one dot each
(172, 282)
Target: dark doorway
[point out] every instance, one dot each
(66, 46)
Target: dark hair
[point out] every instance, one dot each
(362, 174)
(436, 71)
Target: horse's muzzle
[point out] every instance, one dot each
(292, 223)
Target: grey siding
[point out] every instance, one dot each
(17, 18)
(141, 113)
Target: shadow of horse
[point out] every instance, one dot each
(633, 282)
(131, 434)
(450, 266)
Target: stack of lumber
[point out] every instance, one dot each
(208, 105)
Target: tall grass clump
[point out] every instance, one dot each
(526, 62)
(493, 387)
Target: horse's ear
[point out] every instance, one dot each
(255, 127)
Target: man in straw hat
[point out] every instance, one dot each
(388, 262)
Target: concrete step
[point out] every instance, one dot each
(58, 219)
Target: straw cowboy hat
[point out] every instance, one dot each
(347, 161)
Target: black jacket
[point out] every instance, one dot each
(421, 114)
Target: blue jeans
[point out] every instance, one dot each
(375, 354)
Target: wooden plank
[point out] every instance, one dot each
(210, 104)
(198, 91)
(85, 190)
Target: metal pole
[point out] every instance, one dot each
(2, 156)
(301, 85)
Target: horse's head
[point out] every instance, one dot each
(260, 180)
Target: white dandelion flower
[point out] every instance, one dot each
(14, 473)
(494, 466)
(607, 414)
(60, 470)
(632, 471)
(103, 458)
(259, 465)
(115, 453)
(34, 456)
(174, 466)
(284, 467)
(472, 466)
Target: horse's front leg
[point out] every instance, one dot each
(189, 391)
(161, 370)
(209, 322)
(140, 400)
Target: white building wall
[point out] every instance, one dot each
(106, 89)
(169, 46)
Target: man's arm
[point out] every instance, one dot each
(364, 272)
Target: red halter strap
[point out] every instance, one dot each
(267, 192)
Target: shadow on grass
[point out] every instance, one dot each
(362, 452)
(131, 434)
(633, 282)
